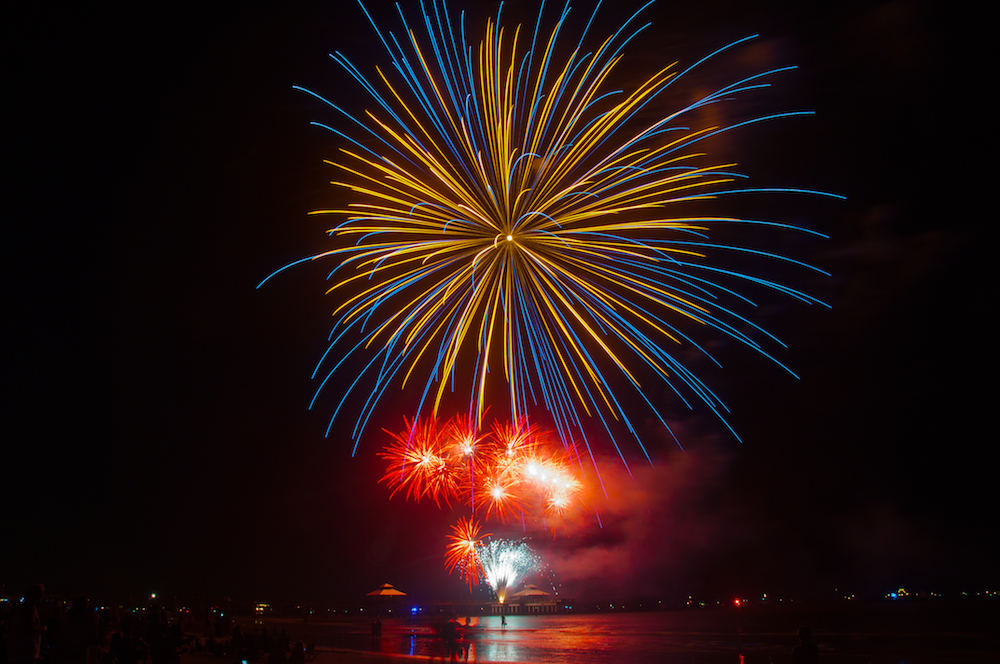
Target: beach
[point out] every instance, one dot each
(876, 633)
(325, 656)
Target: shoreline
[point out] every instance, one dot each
(879, 634)
(336, 656)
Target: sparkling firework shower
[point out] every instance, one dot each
(510, 206)
(504, 563)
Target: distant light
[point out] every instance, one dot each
(510, 238)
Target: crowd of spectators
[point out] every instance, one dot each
(37, 632)
(256, 645)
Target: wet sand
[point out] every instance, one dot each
(934, 632)
(322, 657)
(328, 656)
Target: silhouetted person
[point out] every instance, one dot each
(277, 655)
(377, 628)
(807, 653)
(450, 634)
(463, 643)
(163, 639)
(24, 628)
(125, 642)
(237, 641)
(251, 646)
(78, 634)
(503, 621)
(298, 655)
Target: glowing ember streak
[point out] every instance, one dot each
(503, 563)
(506, 200)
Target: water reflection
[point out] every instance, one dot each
(557, 639)
(672, 637)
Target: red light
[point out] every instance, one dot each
(736, 602)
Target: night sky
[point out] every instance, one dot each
(159, 165)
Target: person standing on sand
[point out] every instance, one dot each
(79, 633)
(807, 653)
(298, 655)
(24, 628)
(450, 633)
(277, 654)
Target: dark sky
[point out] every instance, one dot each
(159, 165)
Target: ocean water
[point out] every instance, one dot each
(858, 634)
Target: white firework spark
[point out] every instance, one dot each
(504, 562)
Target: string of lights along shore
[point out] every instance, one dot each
(528, 230)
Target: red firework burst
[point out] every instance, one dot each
(462, 553)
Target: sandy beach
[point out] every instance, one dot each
(324, 656)
(936, 632)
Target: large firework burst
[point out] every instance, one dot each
(509, 207)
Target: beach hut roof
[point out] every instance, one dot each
(386, 590)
